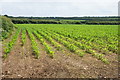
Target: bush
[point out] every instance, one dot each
(6, 27)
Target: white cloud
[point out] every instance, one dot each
(59, 7)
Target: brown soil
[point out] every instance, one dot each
(21, 63)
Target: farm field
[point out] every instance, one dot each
(61, 51)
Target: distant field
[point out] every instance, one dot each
(83, 50)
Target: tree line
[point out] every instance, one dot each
(109, 20)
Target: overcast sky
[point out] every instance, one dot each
(59, 7)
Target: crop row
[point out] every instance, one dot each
(67, 44)
(23, 36)
(73, 47)
(80, 40)
(10, 44)
(48, 38)
(47, 47)
(99, 38)
(34, 44)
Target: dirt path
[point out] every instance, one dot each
(21, 63)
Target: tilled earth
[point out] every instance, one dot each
(21, 63)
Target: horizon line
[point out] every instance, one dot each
(66, 16)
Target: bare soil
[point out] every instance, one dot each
(21, 63)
